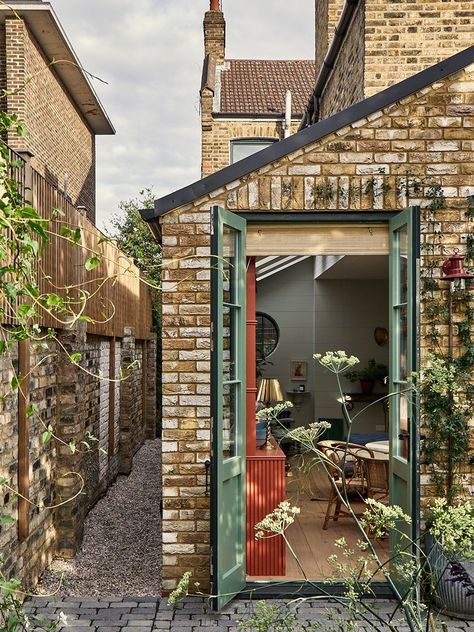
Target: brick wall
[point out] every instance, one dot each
(58, 136)
(403, 38)
(218, 133)
(74, 402)
(327, 13)
(346, 87)
(428, 133)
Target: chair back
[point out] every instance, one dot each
(377, 473)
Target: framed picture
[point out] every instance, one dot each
(298, 370)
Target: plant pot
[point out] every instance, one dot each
(450, 596)
(367, 386)
(261, 430)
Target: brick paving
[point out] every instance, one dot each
(151, 614)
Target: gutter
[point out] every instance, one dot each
(312, 111)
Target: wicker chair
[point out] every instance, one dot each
(345, 468)
(377, 475)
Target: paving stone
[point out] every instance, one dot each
(108, 629)
(143, 610)
(144, 628)
(140, 622)
(138, 616)
(94, 604)
(124, 604)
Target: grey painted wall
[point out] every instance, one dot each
(317, 316)
(289, 298)
(346, 314)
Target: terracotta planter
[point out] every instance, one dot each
(450, 596)
(367, 386)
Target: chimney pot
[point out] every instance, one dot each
(215, 5)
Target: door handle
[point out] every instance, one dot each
(207, 465)
(404, 435)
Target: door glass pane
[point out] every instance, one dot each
(228, 420)
(229, 316)
(403, 427)
(402, 343)
(229, 264)
(403, 264)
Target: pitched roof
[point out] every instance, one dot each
(45, 26)
(259, 85)
(308, 135)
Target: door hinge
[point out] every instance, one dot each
(212, 336)
(212, 220)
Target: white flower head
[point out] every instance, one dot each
(336, 361)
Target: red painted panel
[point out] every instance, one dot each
(265, 469)
(251, 351)
(265, 490)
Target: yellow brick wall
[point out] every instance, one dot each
(345, 85)
(217, 137)
(58, 136)
(430, 133)
(405, 37)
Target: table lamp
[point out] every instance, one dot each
(269, 391)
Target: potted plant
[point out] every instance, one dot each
(367, 376)
(450, 556)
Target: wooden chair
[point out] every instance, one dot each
(377, 475)
(346, 471)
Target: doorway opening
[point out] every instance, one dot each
(307, 304)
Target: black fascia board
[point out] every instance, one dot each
(320, 217)
(311, 134)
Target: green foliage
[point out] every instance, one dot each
(373, 371)
(268, 617)
(453, 526)
(133, 237)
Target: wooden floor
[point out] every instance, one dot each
(311, 544)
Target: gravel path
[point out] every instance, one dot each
(122, 543)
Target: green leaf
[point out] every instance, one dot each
(77, 236)
(31, 410)
(75, 357)
(46, 436)
(87, 319)
(64, 231)
(53, 300)
(72, 447)
(92, 263)
(6, 519)
(15, 383)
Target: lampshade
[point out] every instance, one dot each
(270, 390)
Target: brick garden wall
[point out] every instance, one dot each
(74, 403)
(429, 133)
(58, 136)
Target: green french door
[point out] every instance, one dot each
(404, 344)
(228, 405)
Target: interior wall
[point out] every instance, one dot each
(288, 297)
(315, 316)
(346, 314)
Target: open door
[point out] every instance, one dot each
(228, 405)
(404, 437)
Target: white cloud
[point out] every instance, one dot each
(150, 53)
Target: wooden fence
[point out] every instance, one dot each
(119, 297)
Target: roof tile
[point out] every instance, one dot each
(259, 86)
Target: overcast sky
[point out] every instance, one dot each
(150, 53)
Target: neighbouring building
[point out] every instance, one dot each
(47, 87)
(244, 102)
(110, 392)
(393, 100)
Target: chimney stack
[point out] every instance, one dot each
(214, 32)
